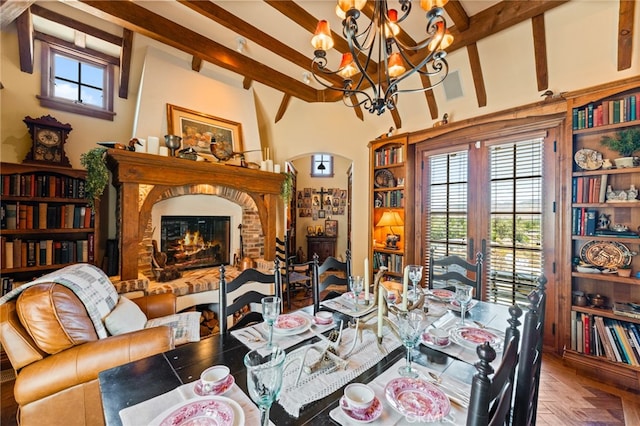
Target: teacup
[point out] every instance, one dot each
(324, 317)
(358, 396)
(214, 377)
(438, 336)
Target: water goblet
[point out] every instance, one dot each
(463, 296)
(415, 275)
(410, 326)
(357, 285)
(270, 311)
(264, 378)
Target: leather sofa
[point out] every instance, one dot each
(57, 355)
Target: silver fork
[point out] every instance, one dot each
(251, 337)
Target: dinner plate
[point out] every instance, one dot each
(289, 324)
(607, 254)
(382, 178)
(471, 337)
(223, 388)
(588, 159)
(202, 411)
(454, 305)
(350, 297)
(442, 294)
(416, 398)
(364, 416)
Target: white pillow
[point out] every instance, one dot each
(185, 326)
(125, 317)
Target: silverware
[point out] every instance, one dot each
(259, 336)
(250, 337)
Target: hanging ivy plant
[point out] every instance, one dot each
(286, 190)
(97, 173)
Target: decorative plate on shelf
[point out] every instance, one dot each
(588, 159)
(608, 254)
(382, 177)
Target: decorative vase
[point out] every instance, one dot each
(624, 162)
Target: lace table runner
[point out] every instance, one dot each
(144, 412)
(389, 416)
(312, 387)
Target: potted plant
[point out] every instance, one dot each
(97, 173)
(286, 190)
(624, 271)
(626, 142)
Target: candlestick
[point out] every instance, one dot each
(380, 310)
(405, 288)
(366, 279)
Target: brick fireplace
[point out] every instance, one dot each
(144, 179)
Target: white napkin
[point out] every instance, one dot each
(345, 305)
(144, 412)
(390, 416)
(284, 341)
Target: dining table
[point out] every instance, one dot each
(143, 391)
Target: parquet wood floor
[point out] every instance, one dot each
(566, 398)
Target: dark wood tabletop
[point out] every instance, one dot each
(133, 383)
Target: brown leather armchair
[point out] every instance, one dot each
(57, 354)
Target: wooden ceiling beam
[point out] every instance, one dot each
(246, 83)
(625, 33)
(357, 108)
(430, 97)
(126, 52)
(540, 52)
(156, 27)
(476, 72)
(397, 120)
(283, 107)
(11, 9)
(457, 14)
(24, 24)
(196, 64)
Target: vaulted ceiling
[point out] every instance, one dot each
(278, 34)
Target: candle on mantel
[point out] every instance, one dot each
(405, 288)
(366, 280)
(380, 309)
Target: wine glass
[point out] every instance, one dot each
(357, 285)
(270, 312)
(415, 275)
(463, 296)
(410, 326)
(264, 378)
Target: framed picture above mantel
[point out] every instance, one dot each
(208, 135)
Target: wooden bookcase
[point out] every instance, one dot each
(391, 182)
(45, 214)
(590, 117)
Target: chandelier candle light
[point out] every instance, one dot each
(377, 58)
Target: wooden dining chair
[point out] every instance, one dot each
(251, 279)
(332, 272)
(295, 274)
(528, 377)
(454, 269)
(491, 394)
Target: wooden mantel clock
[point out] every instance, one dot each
(48, 137)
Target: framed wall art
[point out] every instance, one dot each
(331, 228)
(198, 130)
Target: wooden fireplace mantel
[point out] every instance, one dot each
(132, 169)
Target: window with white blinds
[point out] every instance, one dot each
(447, 204)
(515, 258)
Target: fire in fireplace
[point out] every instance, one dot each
(195, 241)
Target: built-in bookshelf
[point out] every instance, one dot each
(389, 179)
(604, 338)
(46, 222)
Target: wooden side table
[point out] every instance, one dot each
(323, 246)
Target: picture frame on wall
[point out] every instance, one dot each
(321, 214)
(198, 130)
(331, 228)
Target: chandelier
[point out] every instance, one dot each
(377, 60)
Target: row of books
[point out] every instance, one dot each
(384, 157)
(7, 285)
(19, 253)
(584, 221)
(393, 198)
(21, 215)
(392, 261)
(42, 185)
(589, 189)
(607, 112)
(618, 341)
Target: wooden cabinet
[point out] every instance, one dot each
(602, 238)
(46, 222)
(391, 205)
(323, 246)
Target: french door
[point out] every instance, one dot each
(494, 196)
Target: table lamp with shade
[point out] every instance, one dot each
(391, 218)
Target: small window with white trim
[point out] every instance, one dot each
(321, 165)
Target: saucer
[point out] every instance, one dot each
(218, 390)
(362, 416)
(316, 321)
